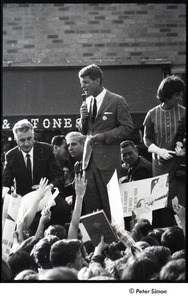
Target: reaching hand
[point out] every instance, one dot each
(180, 211)
(179, 150)
(43, 187)
(80, 184)
(46, 216)
(101, 246)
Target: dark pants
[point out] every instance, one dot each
(96, 195)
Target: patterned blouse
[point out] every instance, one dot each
(161, 126)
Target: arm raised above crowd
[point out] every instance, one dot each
(80, 188)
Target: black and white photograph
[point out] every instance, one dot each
(93, 124)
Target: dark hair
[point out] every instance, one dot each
(141, 267)
(156, 233)
(41, 252)
(64, 252)
(178, 254)
(174, 270)
(6, 272)
(20, 261)
(127, 143)
(57, 230)
(58, 140)
(170, 85)
(173, 238)
(93, 71)
(163, 253)
(150, 240)
(28, 244)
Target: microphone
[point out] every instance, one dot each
(84, 96)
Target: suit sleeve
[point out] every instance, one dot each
(7, 173)
(124, 121)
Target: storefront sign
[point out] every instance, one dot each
(49, 122)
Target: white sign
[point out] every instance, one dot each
(151, 191)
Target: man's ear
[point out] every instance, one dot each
(136, 150)
(98, 80)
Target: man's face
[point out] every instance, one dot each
(90, 87)
(75, 148)
(129, 155)
(61, 152)
(25, 140)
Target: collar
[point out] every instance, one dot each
(30, 153)
(101, 95)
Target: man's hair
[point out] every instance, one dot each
(22, 126)
(173, 238)
(174, 270)
(78, 135)
(168, 86)
(57, 230)
(64, 251)
(127, 143)
(41, 251)
(58, 140)
(93, 71)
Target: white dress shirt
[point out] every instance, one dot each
(99, 100)
(31, 158)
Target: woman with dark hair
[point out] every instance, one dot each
(164, 135)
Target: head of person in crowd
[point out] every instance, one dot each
(142, 244)
(66, 171)
(173, 238)
(23, 132)
(174, 270)
(171, 89)
(27, 275)
(75, 143)
(28, 244)
(129, 153)
(163, 253)
(156, 233)
(60, 274)
(57, 230)
(60, 150)
(91, 80)
(150, 240)
(114, 250)
(179, 254)
(20, 261)
(141, 267)
(41, 252)
(6, 272)
(66, 253)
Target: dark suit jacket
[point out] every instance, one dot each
(114, 120)
(142, 169)
(44, 165)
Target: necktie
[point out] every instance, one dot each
(28, 164)
(94, 109)
(130, 174)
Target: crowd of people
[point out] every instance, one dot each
(48, 187)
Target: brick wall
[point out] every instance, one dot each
(106, 33)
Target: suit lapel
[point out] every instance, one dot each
(104, 103)
(36, 160)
